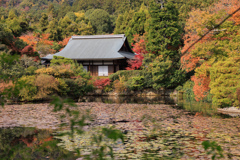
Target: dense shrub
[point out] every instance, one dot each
(5, 85)
(46, 85)
(187, 88)
(101, 83)
(120, 85)
(58, 60)
(28, 91)
(68, 79)
(61, 71)
(136, 83)
(78, 87)
(13, 66)
(39, 87)
(125, 73)
(132, 79)
(62, 87)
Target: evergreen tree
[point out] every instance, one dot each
(100, 21)
(225, 82)
(12, 14)
(51, 11)
(122, 22)
(138, 23)
(44, 22)
(164, 40)
(85, 29)
(54, 30)
(18, 25)
(164, 36)
(64, 25)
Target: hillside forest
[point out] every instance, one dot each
(160, 32)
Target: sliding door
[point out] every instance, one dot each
(102, 70)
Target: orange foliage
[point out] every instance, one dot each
(32, 141)
(201, 86)
(199, 22)
(5, 85)
(30, 39)
(35, 39)
(101, 83)
(229, 6)
(139, 47)
(189, 62)
(201, 82)
(28, 50)
(64, 42)
(236, 16)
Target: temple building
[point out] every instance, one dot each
(102, 55)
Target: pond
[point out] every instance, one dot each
(131, 99)
(153, 128)
(24, 143)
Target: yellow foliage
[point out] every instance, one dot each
(49, 71)
(61, 71)
(82, 15)
(29, 90)
(119, 85)
(46, 84)
(62, 86)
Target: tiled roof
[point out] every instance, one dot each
(96, 47)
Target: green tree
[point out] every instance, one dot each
(54, 30)
(85, 29)
(8, 42)
(44, 22)
(138, 23)
(66, 27)
(164, 39)
(12, 14)
(225, 80)
(100, 21)
(164, 36)
(122, 22)
(16, 24)
(51, 11)
(71, 16)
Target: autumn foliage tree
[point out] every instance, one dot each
(64, 42)
(39, 42)
(139, 48)
(101, 83)
(219, 44)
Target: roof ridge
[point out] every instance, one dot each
(99, 36)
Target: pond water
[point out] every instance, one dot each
(131, 99)
(22, 143)
(154, 128)
(206, 108)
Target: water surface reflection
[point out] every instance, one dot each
(30, 143)
(131, 99)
